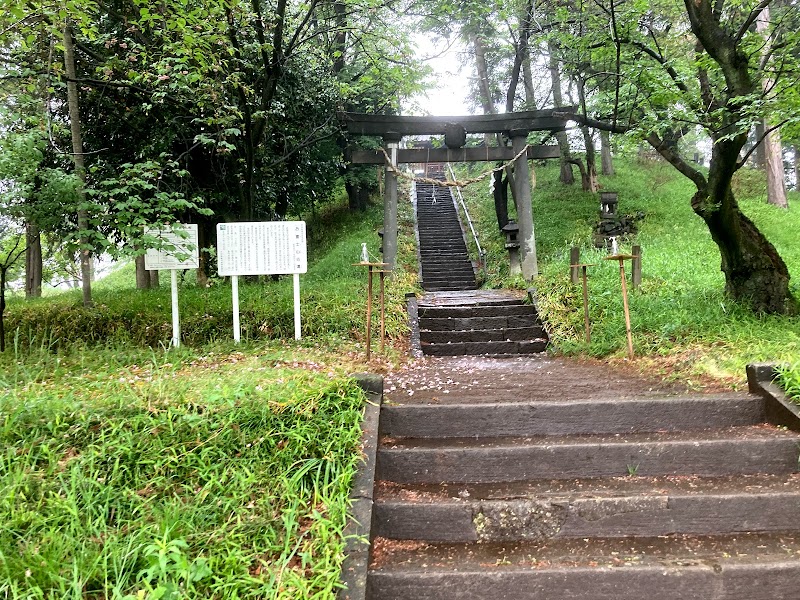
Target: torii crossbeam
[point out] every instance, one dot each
(516, 126)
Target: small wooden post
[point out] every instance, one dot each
(585, 278)
(574, 259)
(370, 270)
(383, 309)
(622, 258)
(636, 267)
(369, 312)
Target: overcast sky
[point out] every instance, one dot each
(449, 97)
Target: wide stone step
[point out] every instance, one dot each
(738, 450)
(477, 298)
(570, 417)
(449, 288)
(477, 311)
(461, 271)
(741, 567)
(504, 348)
(467, 323)
(619, 507)
(514, 334)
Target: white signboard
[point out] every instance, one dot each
(184, 253)
(271, 248)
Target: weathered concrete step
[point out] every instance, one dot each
(466, 323)
(742, 567)
(514, 334)
(570, 417)
(480, 348)
(615, 508)
(477, 311)
(738, 450)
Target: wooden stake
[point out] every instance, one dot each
(622, 258)
(369, 313)
(574, 269)
(370, 267)
(383, 311)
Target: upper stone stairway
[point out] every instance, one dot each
(444, 259)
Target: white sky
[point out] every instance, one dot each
(449, 97)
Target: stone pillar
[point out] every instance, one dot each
(392, 141)
(522, 195)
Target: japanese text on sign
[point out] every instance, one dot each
(180, 249)
(272, 248)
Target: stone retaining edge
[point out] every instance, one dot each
(779, 410)
(358, 531)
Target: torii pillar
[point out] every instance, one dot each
(521, 188)
(392, 141)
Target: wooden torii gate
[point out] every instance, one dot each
(516, 126)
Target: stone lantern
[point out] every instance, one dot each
(608, 205)
(512, 245)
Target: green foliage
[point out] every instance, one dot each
(135, 474)
(333, 294)
(680, 312)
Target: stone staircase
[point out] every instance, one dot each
(444, 260)
(490, 489)
(493, 322)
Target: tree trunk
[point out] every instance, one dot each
(773, 150)
(482, 68)
(606, 160)
(33, 261)
(500, 194)
(142, 275)
(3, 270)
(754, 271)
(154, 282)
(760, 156)
(566, 177)
(776, 178)
(527, 78)
(796, 167)
(589, 176)
(205, 240)
(78, 160)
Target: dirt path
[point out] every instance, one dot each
(524, 378)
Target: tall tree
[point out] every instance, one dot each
(773, 150)
(702, 65)
(78, 159)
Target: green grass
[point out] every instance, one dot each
(211, 471)
(142, 474)
(681, 318)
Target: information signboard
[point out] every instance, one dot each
(183, 254)
(271, 248)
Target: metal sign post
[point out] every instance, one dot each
(180, 252)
